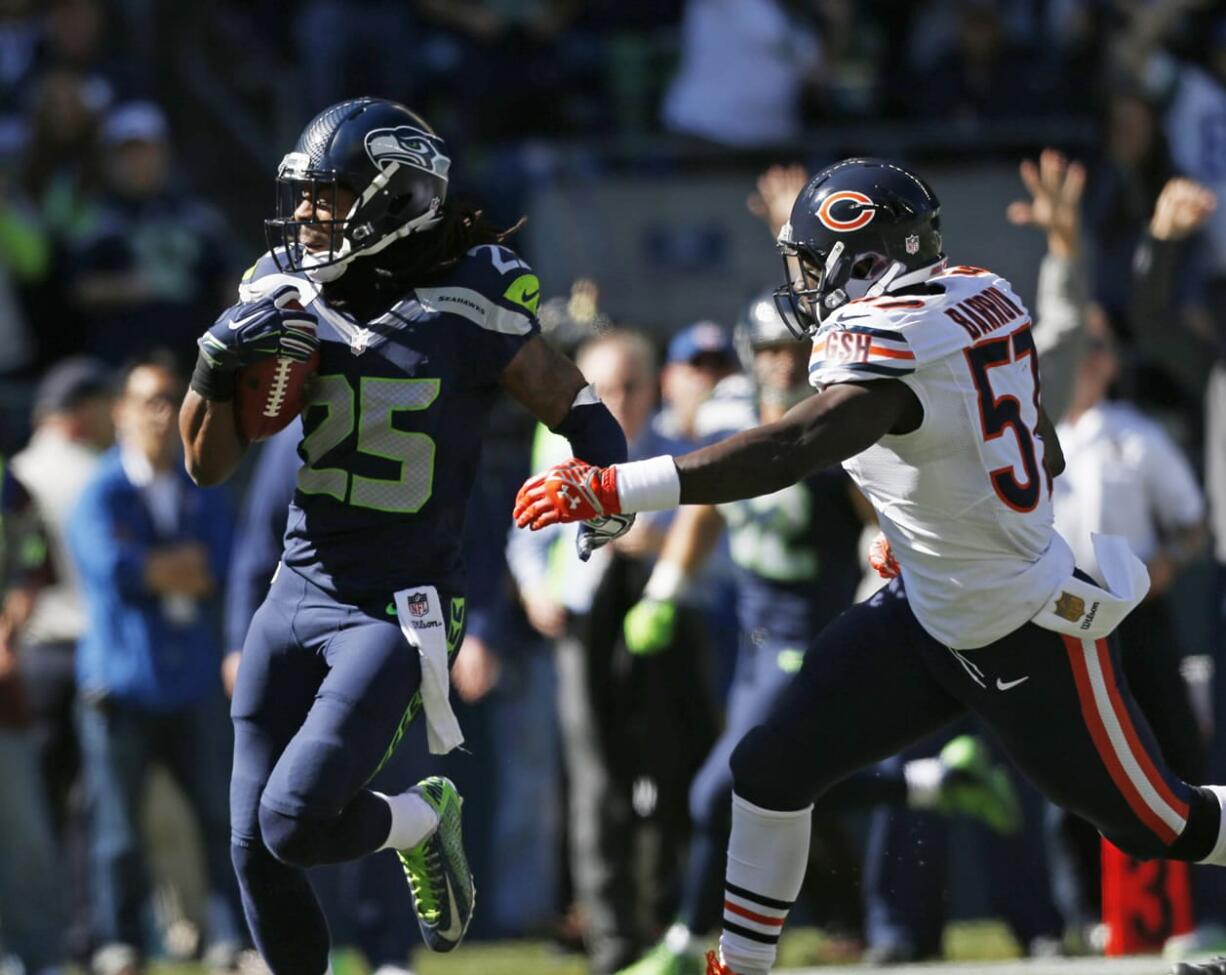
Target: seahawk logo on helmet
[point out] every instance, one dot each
(409, 146)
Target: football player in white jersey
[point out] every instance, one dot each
(928, 385)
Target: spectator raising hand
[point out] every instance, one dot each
(777, 190)
(1055, 186)
(1183, 207)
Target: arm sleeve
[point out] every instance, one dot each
(1059, 331)
(1160, 335)
(593, 433)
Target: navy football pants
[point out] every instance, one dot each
(323, 696)
(875, 681)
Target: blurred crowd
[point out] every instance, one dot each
(597, 696)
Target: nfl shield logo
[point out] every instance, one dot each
(1070, 607)
(912, 243)
(419, 605)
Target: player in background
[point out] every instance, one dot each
(928, 394)
(797, 566)
(419, 314)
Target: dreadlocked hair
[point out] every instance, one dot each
(372, 284)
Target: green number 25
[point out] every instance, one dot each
(379, 400)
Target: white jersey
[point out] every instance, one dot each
(964, 500)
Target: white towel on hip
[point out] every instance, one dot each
(420, 613)
(1084, 610)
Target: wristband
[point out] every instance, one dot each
(216, 385)
(648, 485)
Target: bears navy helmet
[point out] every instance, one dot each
(861, 227)
(383, 153)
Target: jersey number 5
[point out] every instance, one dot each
(998, 413)
(413, 453)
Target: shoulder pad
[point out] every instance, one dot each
(894, 335)
(491, 287)
(861, 342)
(500, 273)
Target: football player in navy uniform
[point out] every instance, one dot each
(420, 314)
(928, 394)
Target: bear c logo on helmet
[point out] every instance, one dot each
(858, 211)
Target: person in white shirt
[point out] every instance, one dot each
(1126, 476)
(929, 396)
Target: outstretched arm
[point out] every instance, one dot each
(819, 431)
(822, 430)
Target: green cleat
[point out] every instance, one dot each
(662, 960)
(972, 784)
(437, 870)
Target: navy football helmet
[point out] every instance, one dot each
(862, 227)
(761, 326)
(387, 156)
(758, 326)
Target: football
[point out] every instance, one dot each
(269, 394)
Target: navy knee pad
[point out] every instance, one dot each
(294, 840)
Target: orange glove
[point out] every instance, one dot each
(882, 559)
(570, 491)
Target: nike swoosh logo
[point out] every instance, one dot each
(391, 609)
(1008, 685)
(239, 323)
(455, 930)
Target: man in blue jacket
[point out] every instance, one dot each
(150, 548)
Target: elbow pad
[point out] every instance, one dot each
(594, 435)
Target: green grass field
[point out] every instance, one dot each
(801, 948)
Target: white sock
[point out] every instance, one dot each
(1217, 856)
(767, 855)
(923, 776)
(413, 819)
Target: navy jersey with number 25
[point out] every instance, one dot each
(392, 429)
